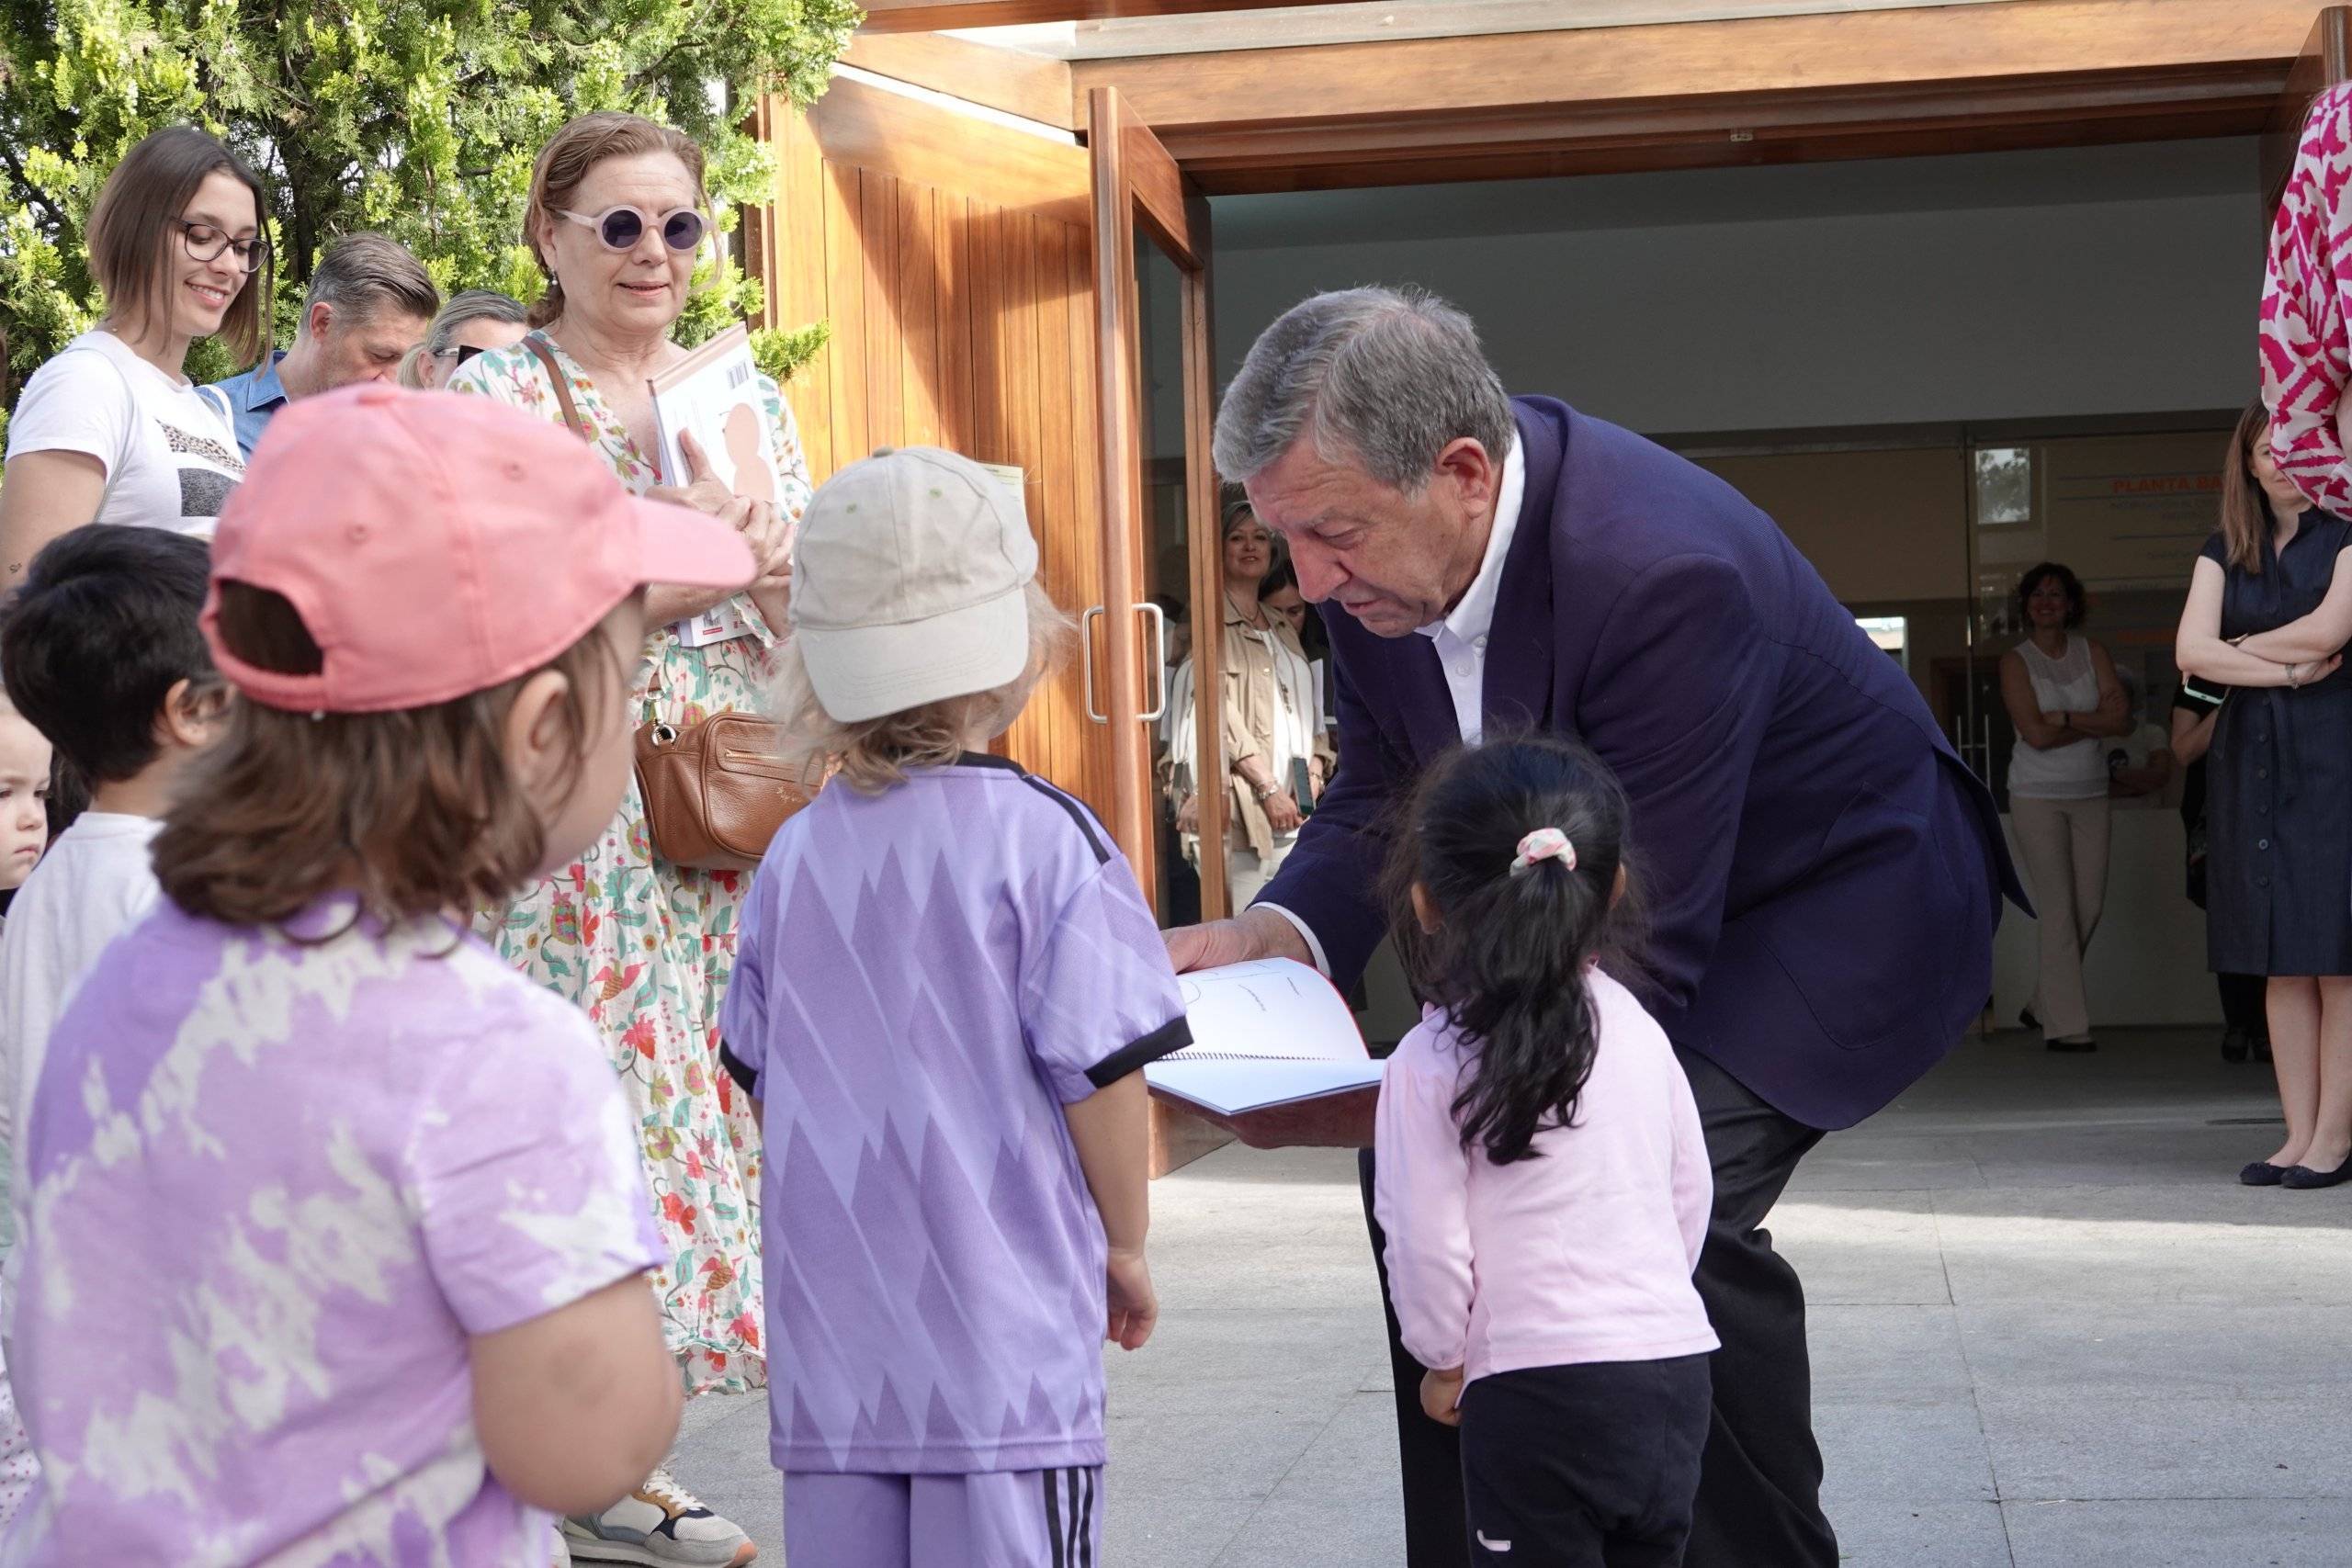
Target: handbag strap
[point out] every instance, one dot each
(539, 346)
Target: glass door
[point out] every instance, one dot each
(1155, 639)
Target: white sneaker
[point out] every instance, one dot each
(562, 1556)
(660, 1525)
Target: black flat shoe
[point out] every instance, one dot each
(2303, 1178)
(2236, 1046)
(2084, 1043)
(2262, 1173)
(2025, 1016)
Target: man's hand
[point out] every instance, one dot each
(1442, 1396)
(1252, 934)
(1134, 1305)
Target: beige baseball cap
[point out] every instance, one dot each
(908, 580)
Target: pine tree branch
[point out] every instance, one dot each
(33, 193)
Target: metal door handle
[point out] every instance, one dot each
(1160, 658)
(1086, 661)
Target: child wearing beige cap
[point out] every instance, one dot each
(946, 985)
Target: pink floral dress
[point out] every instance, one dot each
(2306, 355)
(647, 948)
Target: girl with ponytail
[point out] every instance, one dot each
(1540, 1176)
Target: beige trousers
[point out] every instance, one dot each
(2065, 846)
(1246, 875)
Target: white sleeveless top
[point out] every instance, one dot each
(2076, 771)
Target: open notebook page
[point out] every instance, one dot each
(1266, 1033)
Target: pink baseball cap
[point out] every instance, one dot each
(437, 545)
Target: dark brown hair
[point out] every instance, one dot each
(2246, 511)
(2078, 603)
(414, 811)
(565, 162)
(133, 222)
(1509, 959)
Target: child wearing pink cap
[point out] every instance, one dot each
(359, 1208)
(1541, 1182)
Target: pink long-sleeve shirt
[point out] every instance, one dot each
(2306, 357)
(1583, 1254)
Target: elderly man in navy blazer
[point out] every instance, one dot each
(1823, 873)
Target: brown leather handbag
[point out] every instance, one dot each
(715, 792)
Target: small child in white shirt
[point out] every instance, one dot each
(103, 657)
(102, 653)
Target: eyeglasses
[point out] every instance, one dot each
(620, 228)
(205, 243)
(461, 352)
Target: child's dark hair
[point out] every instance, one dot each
(102, 628)
(413, 810)
(1508, 960)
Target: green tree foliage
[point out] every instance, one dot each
(416, 117)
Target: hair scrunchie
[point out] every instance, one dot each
(1544, 843)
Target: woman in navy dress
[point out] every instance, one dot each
(2269, 605)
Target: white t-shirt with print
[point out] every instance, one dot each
(169, 450)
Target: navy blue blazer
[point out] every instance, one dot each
(1822, 873)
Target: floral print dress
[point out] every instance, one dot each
(2306, 346)
(647, 948)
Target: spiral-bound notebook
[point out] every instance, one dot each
(1267, 1034)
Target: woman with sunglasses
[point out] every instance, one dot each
(474, 321)
(617, 218)
(110, 430)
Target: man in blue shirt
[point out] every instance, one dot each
(368, 304)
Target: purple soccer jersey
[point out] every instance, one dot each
(924, 978)
(274, 1189)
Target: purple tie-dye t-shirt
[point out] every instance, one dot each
(924, 978)
(274, 1189)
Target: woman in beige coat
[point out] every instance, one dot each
(1275, 754)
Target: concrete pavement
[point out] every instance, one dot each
(2048, 1331)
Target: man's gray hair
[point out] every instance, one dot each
(470, 305)
(1383, 378)
(368, 273)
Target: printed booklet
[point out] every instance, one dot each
(715, 392)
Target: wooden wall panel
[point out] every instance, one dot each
(958, 279)
(843, 304)
(877, 244)
(793, 262)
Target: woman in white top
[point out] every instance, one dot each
(2062, 693)
(109, 430)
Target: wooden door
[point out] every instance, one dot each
(952, 255)
(2325, 60)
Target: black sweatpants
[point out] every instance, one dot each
(1759, 1480)
(1590, 1466)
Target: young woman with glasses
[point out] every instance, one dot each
(109, 430)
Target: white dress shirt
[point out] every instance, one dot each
(1460, 639)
